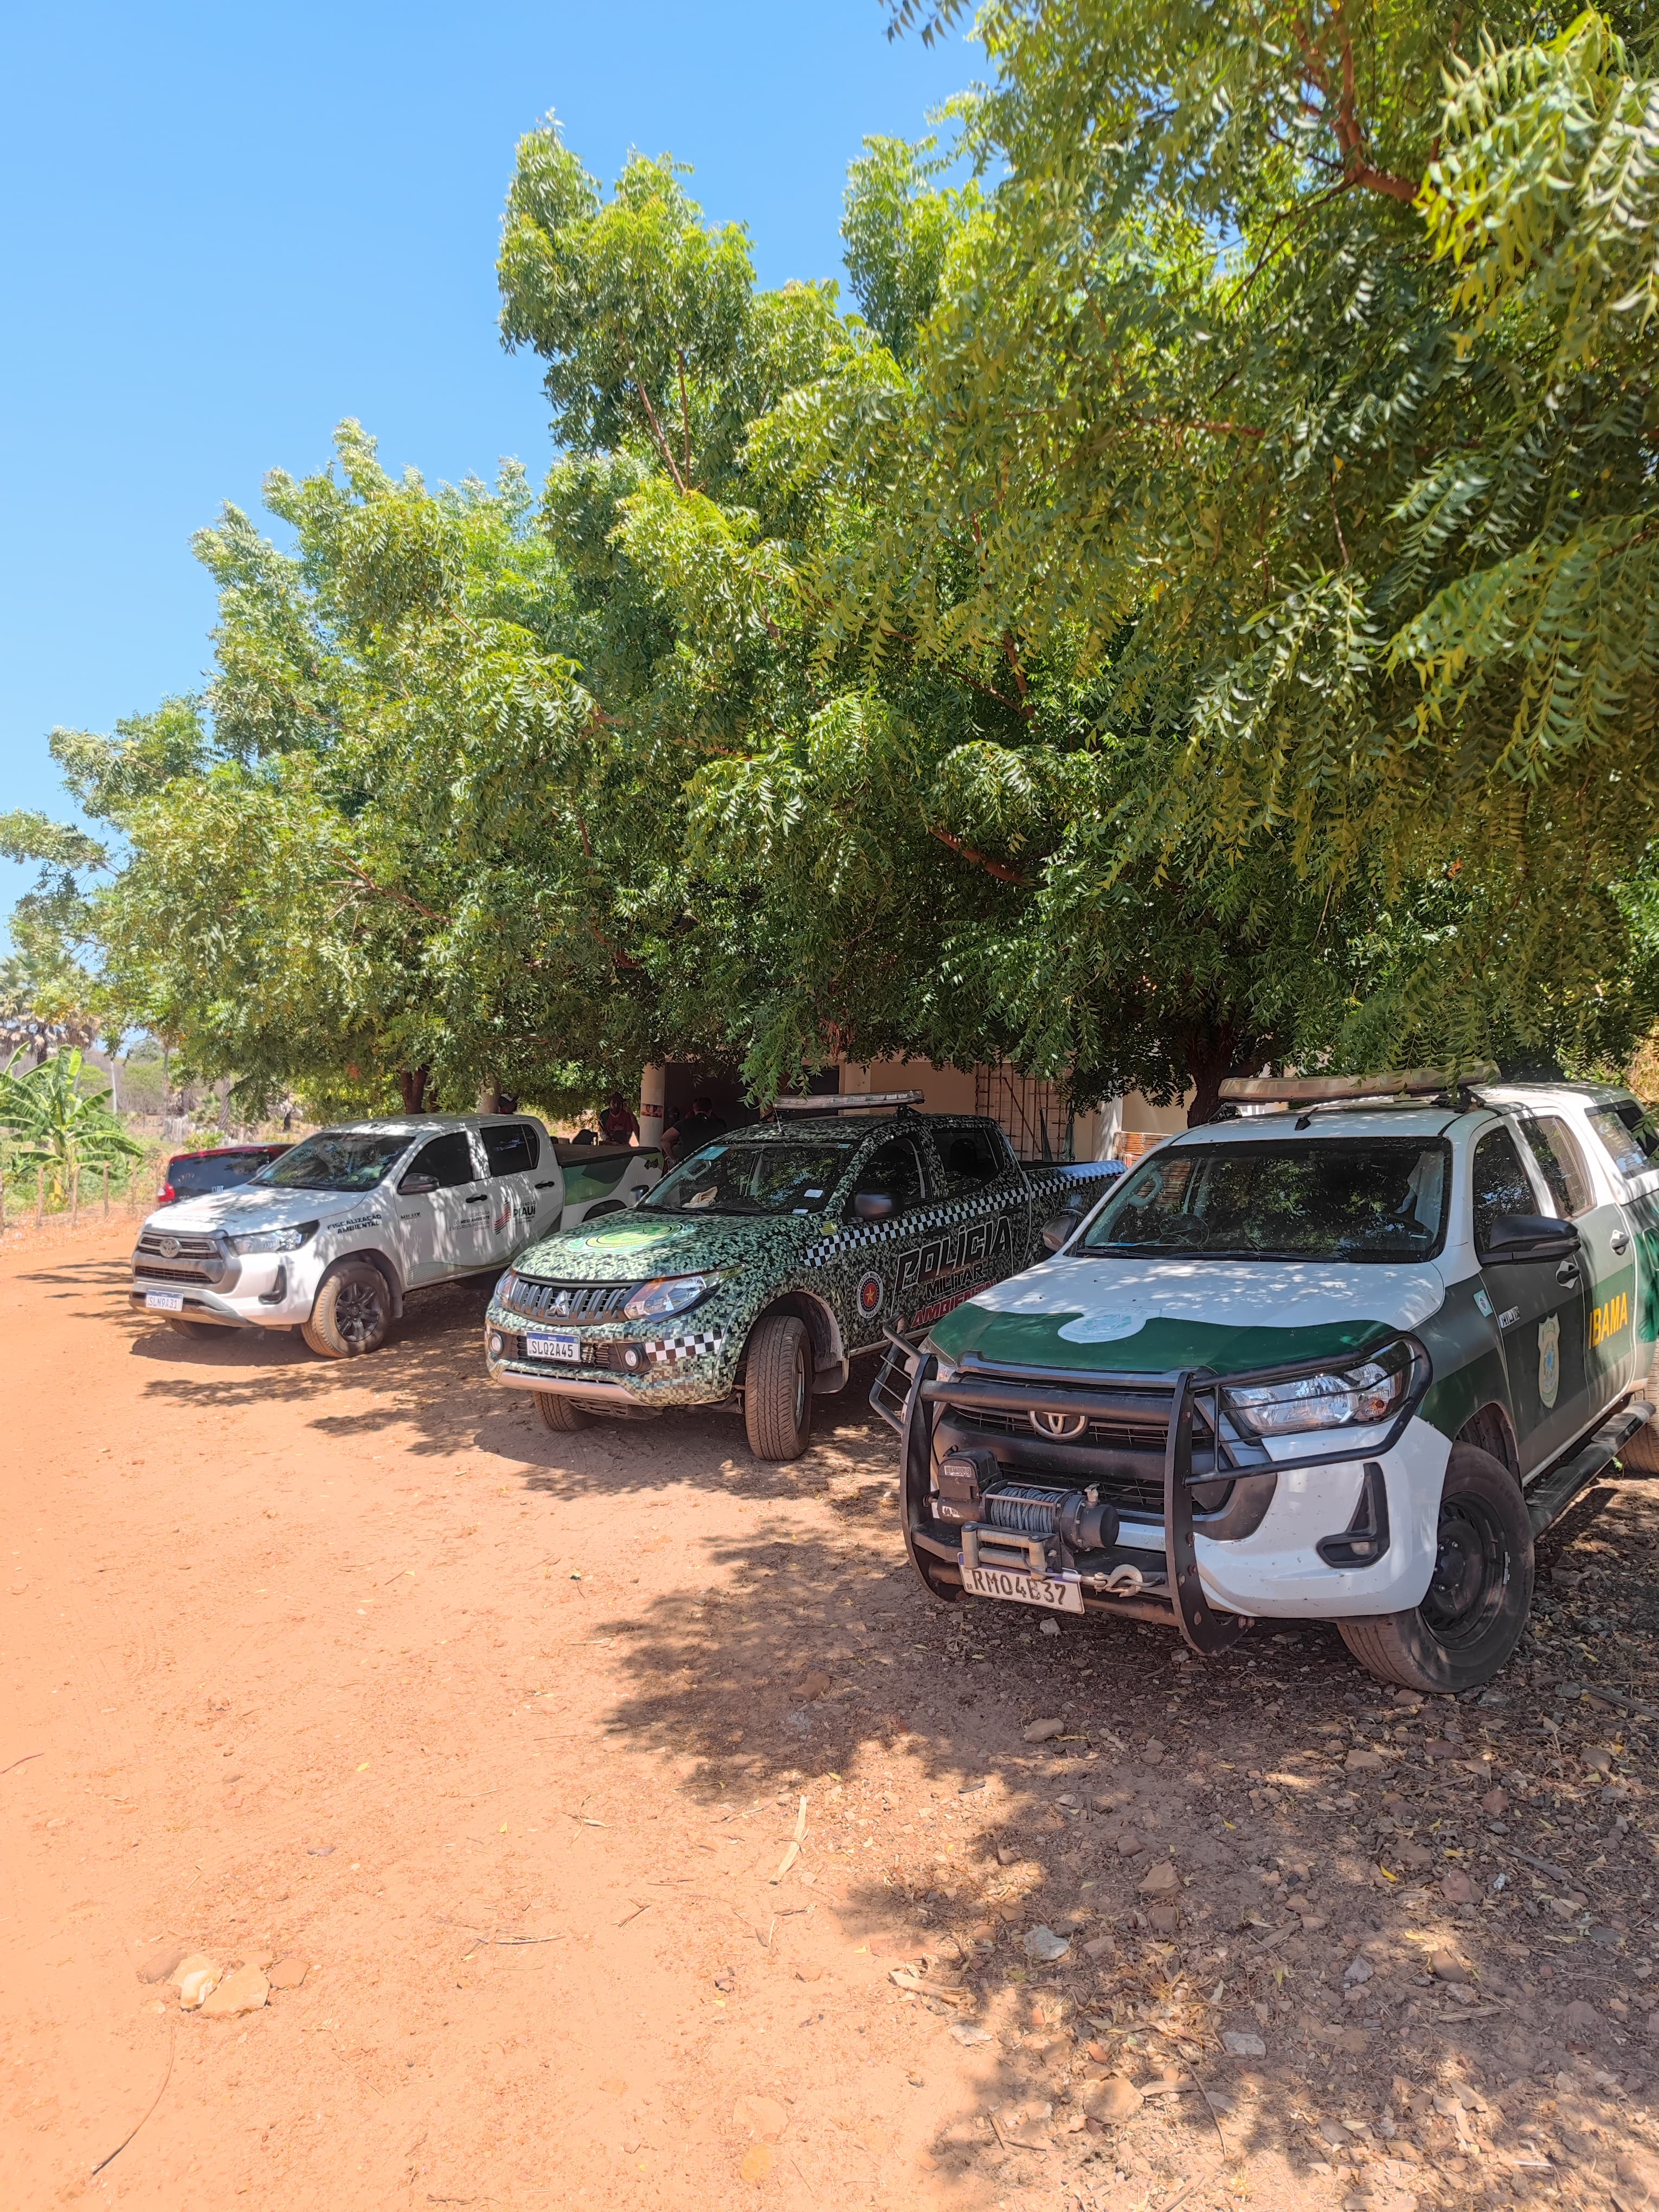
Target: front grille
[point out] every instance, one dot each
(190, 1260)
(521, 1294)
(1119, 1448)
(1104, 1434)
(188, 1248)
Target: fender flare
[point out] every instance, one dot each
(381, 1261)
(829, 1360)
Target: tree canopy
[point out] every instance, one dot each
(1196, 609)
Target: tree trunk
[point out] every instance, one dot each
(1213, 1055)
(412, 1082)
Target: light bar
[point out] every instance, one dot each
(1332, 1090)
(847, 1102)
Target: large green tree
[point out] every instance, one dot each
(1301, 379)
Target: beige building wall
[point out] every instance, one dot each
(1122, 1128)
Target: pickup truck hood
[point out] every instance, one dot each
(1152, 1316)
(251, 1207)
(633, 1247)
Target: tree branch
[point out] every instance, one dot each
(991, 868)
(661, 443)
(989, 691)
(403, 898)
(685, 408)
(1342, 109)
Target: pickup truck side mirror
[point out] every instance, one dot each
(873, 1205)
(1529, 1236)
(1061, 1230)
(416, 1186)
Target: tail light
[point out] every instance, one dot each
(165, 1195)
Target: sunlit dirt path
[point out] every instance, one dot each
(508, 1739)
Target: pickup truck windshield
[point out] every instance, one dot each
(754, 1178)
(1376, 1199)
(338, 1159)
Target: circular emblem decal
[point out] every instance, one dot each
(870, 1297)
(168, 1247)
(1060, 1428)
(1099, 1328)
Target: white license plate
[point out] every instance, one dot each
(1055, 1592)
(165, 1301)
(553, 1347)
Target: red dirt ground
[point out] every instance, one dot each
(505, 1736)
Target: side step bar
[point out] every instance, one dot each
(1550, 1499)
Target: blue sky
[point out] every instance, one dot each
(228, 228)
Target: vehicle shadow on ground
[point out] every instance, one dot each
(820, 1664)
(1311, 1894)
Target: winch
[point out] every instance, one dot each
(972, 1493)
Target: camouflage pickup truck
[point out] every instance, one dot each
(756, 1271)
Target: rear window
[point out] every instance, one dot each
(1627, 1135)
(510, 1151)
(193, 1175)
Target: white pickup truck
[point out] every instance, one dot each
(331, 1237)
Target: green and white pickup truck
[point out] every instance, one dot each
(1339, 1362)
(757, 1270)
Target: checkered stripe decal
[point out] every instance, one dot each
(928, 1220)
(670, 1350)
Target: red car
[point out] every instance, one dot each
(190, 1174)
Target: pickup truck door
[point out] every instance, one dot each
(512, 1153)
(440, 1232)
(1609, 1270)
(1539, 1307)
(981, 1229)
(887, 1251)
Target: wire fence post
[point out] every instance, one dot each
(106, 1190)
(40, 1196)
(74, 1198)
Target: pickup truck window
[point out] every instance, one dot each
(447, 1159)
(971, 1161)
(510, 1148)
(1499, 1184)
(893, 1170)
(1377, 1199)
(1627, 1136)
(1560, 1163)
(754, 1178)
(337, 1159)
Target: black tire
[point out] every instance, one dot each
(777, 1391)
(181, 1327)
(1475, 1608)
(561, 1414)
(353, 1312)
(1641, 1455)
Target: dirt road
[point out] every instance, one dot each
(647, 1839)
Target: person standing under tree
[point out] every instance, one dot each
(617, 1124)
(693, 1130)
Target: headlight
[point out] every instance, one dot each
(668, 1294)
(1343, 1398)
(275, 1240)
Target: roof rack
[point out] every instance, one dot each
(848, 1102)
(1337, 1090)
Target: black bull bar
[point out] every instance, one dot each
(1182, 1601)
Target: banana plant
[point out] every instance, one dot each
(59, 1124)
